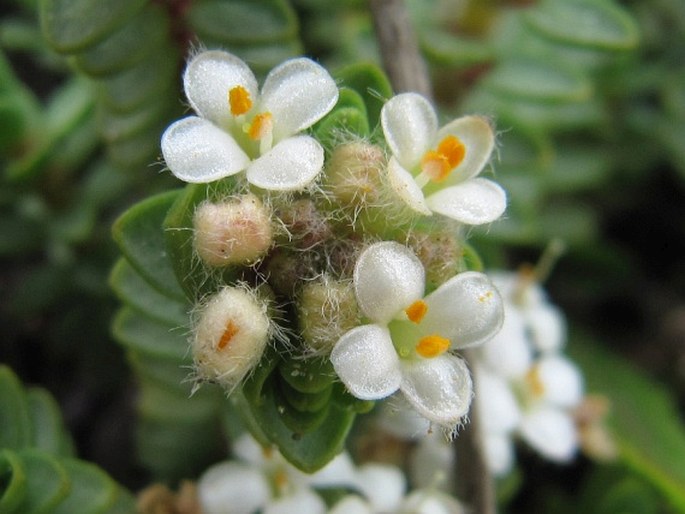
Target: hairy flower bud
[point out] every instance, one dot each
(354, 172)
(440, 254)
(235, 231)
(230, 336)
(327, 309)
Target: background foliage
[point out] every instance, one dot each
(592, 126)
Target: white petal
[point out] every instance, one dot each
(439, 388)
(383, 485)
(473, 202)
(431, 501)
(478, 137)
(289, 166)
(302, 500)
(298, 93)
(409, 124)
(367, 363)
(467, 309)
(403, 183)
(551, 432)
(198, 152)
(388, 278)
(209, 77)
(398, 417)
(432, 461)
(351, 504)
(498, 410)
(248, 450)
(562, 381)
(340, 472)
(547, 327)
(232, 488)
(499, 453)
(508, 353)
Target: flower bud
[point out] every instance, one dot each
(235, 231)
(230, 336)
(440, 254)
(327, 309)
(354, 173)
(306, 226)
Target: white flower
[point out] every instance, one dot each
(407, 345)
(434, 170)
(237, 128)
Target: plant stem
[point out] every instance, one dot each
(399, 48)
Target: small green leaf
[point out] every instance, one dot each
(311, 376)
(371, 83)
(538, 81)
(150, 337)
(15, 429)
(576, 168)
(49, 433)
(116, 126)
(347, 119)
(140, 236)
(592, 23)
(92, 490)
(47, 482)
(139, 295)
(145, 82)
(645, 420)
(138, 38)
(138, 151)
(163, 404)
(13, 481)
(196, 279)
(449, 49)
(73, 25)
(243, 21)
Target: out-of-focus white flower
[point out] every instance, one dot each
(407, 345)
(524, 385)
(263, 480)
(434, 169)
(238, 128)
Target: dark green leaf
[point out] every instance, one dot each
(140, 236)
(449, 49)
(146, 33)
(47, 482)
(163, 404)
(371, 83)
(150, 337)
(592, 23)
(347, 120)
(49, 433)
(92, 490)
(15, 429)
(170, 374)
(138, 294)
(13, 482)
(645, 420)
(73, 25)
(243, 21)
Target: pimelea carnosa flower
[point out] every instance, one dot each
(237, 128)
(434, 170)
(407, 344)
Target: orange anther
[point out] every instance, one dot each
(439, 163)
(230, 331)
(534, 382)
(416, 311)
(432, 346)
(261, 125)
(239, 100)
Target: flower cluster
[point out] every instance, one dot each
(358, 245)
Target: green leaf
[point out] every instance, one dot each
(170, 374)
(163, 404)
(537, 81)
(92, 491)
(15, 429)
(47, 482)
(139, 295)
(195, 279)
(243, 21)
(592, 23)
(141, 36)
(644, 417)
(150, 337)
(140, 236)
(347, 119)
(371, 83)
(73, 25)
(447, 49)
(49, 433)
(13, 482)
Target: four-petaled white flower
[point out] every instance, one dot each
(407, 345)
(237, 128)
(434, 170)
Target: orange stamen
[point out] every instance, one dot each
(230, 331)
(439, 163)
(239, 100)
(261, 125)
(432, 346)
(416, 311)
(534, 381)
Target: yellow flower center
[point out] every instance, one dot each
(432, 346)
(534, 382)
(438, 164)
(416, 311)
(239, 100)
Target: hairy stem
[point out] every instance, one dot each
(399, 48)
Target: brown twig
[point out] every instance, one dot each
(399, 48)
